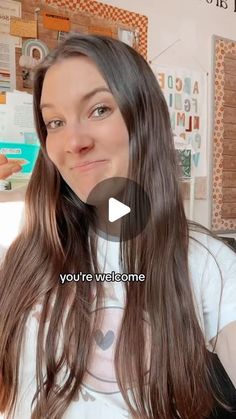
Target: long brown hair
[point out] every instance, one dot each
(55, 239)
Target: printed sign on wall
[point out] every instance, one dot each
(185, 94)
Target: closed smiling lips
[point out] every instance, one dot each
(88, 164)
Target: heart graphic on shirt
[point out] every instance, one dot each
(104, 341)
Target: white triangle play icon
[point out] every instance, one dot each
(117, 210)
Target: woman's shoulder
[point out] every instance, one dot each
(204, 247)
(212, 263)
(212, 267)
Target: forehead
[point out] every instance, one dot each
(70, 75)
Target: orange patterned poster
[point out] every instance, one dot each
(224, 167)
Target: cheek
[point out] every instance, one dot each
(53, 152)
(115, 134)
(48, 147)
(120, 138)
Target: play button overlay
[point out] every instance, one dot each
(116, 210)
(122, 208)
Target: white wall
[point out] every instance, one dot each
(194, 22)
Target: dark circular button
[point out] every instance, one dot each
(122, 207)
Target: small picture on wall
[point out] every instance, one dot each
(184, 157)
(127, 36)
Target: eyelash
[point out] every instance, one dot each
(98, 107)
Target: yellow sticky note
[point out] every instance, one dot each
(2, 98)
(23, 27)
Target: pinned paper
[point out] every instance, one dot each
(17, 119)
(9, 8)
(56, 22)
(61, 36)
(2, 98)
(7, 65)
(23, 27)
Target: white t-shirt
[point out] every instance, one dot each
(100, 397)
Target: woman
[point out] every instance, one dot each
(110, 350)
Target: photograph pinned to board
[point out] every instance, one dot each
(184, 158)
(128, 36)
(33, 52)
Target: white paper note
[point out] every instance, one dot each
(18, 125)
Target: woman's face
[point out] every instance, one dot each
(87, 138)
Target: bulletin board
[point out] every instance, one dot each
(36, 28)
(224, 142)
(84, 17)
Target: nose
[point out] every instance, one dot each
(78, 139)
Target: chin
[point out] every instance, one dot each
(82, 196)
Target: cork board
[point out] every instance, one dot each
(224, 146)
(85, 17)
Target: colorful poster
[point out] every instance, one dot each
(7, 66)
(185, 92)
(23, 154)
(185, 162)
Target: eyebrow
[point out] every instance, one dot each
(85, 98)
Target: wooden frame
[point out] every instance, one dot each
(224, 141)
